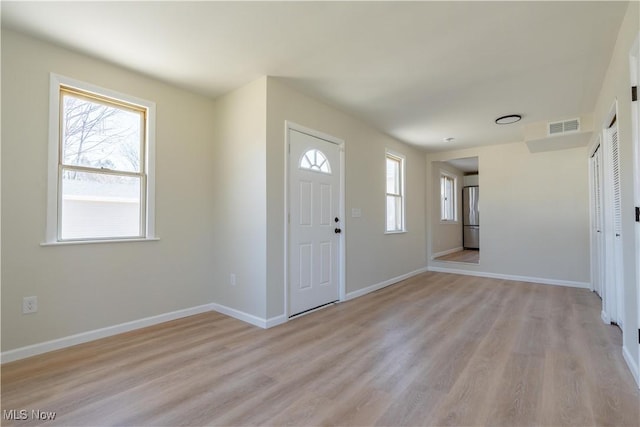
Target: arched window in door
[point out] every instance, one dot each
(315, 160)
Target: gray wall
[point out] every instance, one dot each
(238, 190)
(535, 212)
(86, 287)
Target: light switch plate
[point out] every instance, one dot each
(356, 212)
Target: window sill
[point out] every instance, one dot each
(395, 232)
(450, 222)
(90, 242)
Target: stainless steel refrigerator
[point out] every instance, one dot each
(470, 217)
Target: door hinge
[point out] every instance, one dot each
(634, 93)
(637, 213)
(638, 336)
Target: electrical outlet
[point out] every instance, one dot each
(29, 305)
(232, 279)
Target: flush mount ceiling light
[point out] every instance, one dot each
(449, 139)
(507, 120)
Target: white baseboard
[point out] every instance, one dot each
(240, 315)
(249, 318)
(541, 280)
(447, 252)
(83, 337)
(372, 288)
(35, 349)
(275, 321)
(633, 367)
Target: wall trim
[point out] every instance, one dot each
(276, 320)
(540, 280)
(83, 337)
(372, 288)
(260, 322)
(447, 252)
(632, 365)
(96, 334)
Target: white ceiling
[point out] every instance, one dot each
(419, 71)
(466, 165)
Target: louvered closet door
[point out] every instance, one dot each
(616, 263)
(615, 168)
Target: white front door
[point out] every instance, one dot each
(315, 226)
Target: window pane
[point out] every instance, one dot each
(393, 176)
(394, 213)
(96, 205)
(450, 200)
(447, 197)
(100, 136)
(315, 160)
(442, 198)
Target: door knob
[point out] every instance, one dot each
(338, 231)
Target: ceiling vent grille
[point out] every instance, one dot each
(572, 125)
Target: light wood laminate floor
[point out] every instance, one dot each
(437, 349)
(471, 256)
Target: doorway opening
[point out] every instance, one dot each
(456, 230)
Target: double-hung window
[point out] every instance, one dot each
(395, 219)
(448, 184)
(101, 164)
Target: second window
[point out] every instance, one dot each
(395, 221)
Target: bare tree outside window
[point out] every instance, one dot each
(99, 136)
(101, 170)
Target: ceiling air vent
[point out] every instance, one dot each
(572, 125)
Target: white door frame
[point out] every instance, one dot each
(634, 73)
(596, 239)
(288, 125)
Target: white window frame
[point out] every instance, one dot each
(448, 175)
(56, 81)
(390, 154)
